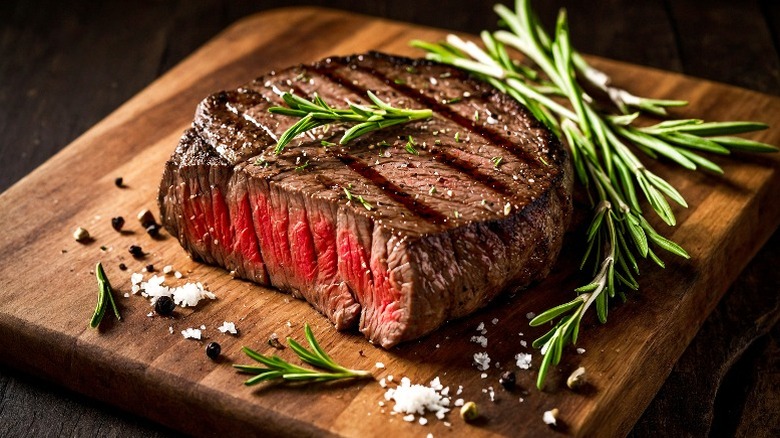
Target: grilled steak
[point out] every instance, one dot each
(482, 208)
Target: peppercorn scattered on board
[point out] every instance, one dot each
(143, 364)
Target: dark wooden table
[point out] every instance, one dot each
(66, 65)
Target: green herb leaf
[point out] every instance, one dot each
(277, 368)
(366, 118)
(105, 297)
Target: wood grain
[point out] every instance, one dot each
(44, 311)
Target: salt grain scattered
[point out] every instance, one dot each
(127, 295)
(524, 343)
(483, 375)
(481, 340)
(228, 327)
(494, 321)
(177, 274)
(549, 417)
(416, 399)
(423, 421)
(580, 350)
(523, 360)
(459, 402)
(170, 329)
(530, 315)
(482, 361)
(167, 269)
(380, 365)
(409, 418)
(191, 333)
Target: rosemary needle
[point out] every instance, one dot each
(366, 118)
(105, 297)
(603, 145)
(277, 368)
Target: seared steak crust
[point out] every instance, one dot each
(449, 229)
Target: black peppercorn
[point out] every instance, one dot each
(117, 223)
(122, 267)
(149, 268)
(164, 306)
(153, 230)
(507, 380)
(136, 251)
(213, 350)
(119, 182)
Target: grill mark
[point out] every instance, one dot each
(447, 110)
(445, 158)
(396, 193)
(474, 172)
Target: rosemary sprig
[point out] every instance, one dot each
(367, 118)
(599, 140)
(277, 368)
(105, 296)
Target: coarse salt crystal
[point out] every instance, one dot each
(170, 329)
(523, 360)
(530, 315)
(390, 378)
(483, 376)
(524, 343)
(423, 421)
(383, 383)
(167, 269)
(416, 399)
(460, 390)
(459, 402)
(127, 295)
(150, 314)
(549, 417)
(447, 424)
(481, 326)
(381, 403)
(136, 278)
(228, 327)
(494, 321)
(380, 365)
(580, 350)
(481, 340)
(191, 333)
(177, 274)
(409, 418)
(492, 394)
(202, 327)
(482, 361)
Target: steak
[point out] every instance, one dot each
(480, 209)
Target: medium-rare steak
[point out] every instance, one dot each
(480, 209)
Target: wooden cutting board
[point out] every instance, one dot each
(48, 289)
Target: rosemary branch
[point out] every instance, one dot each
(367, 118)
(105, 297)
(599, 140)
(277, 368)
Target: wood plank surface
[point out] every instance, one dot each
(48, 295)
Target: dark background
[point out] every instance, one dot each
(66, 65)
